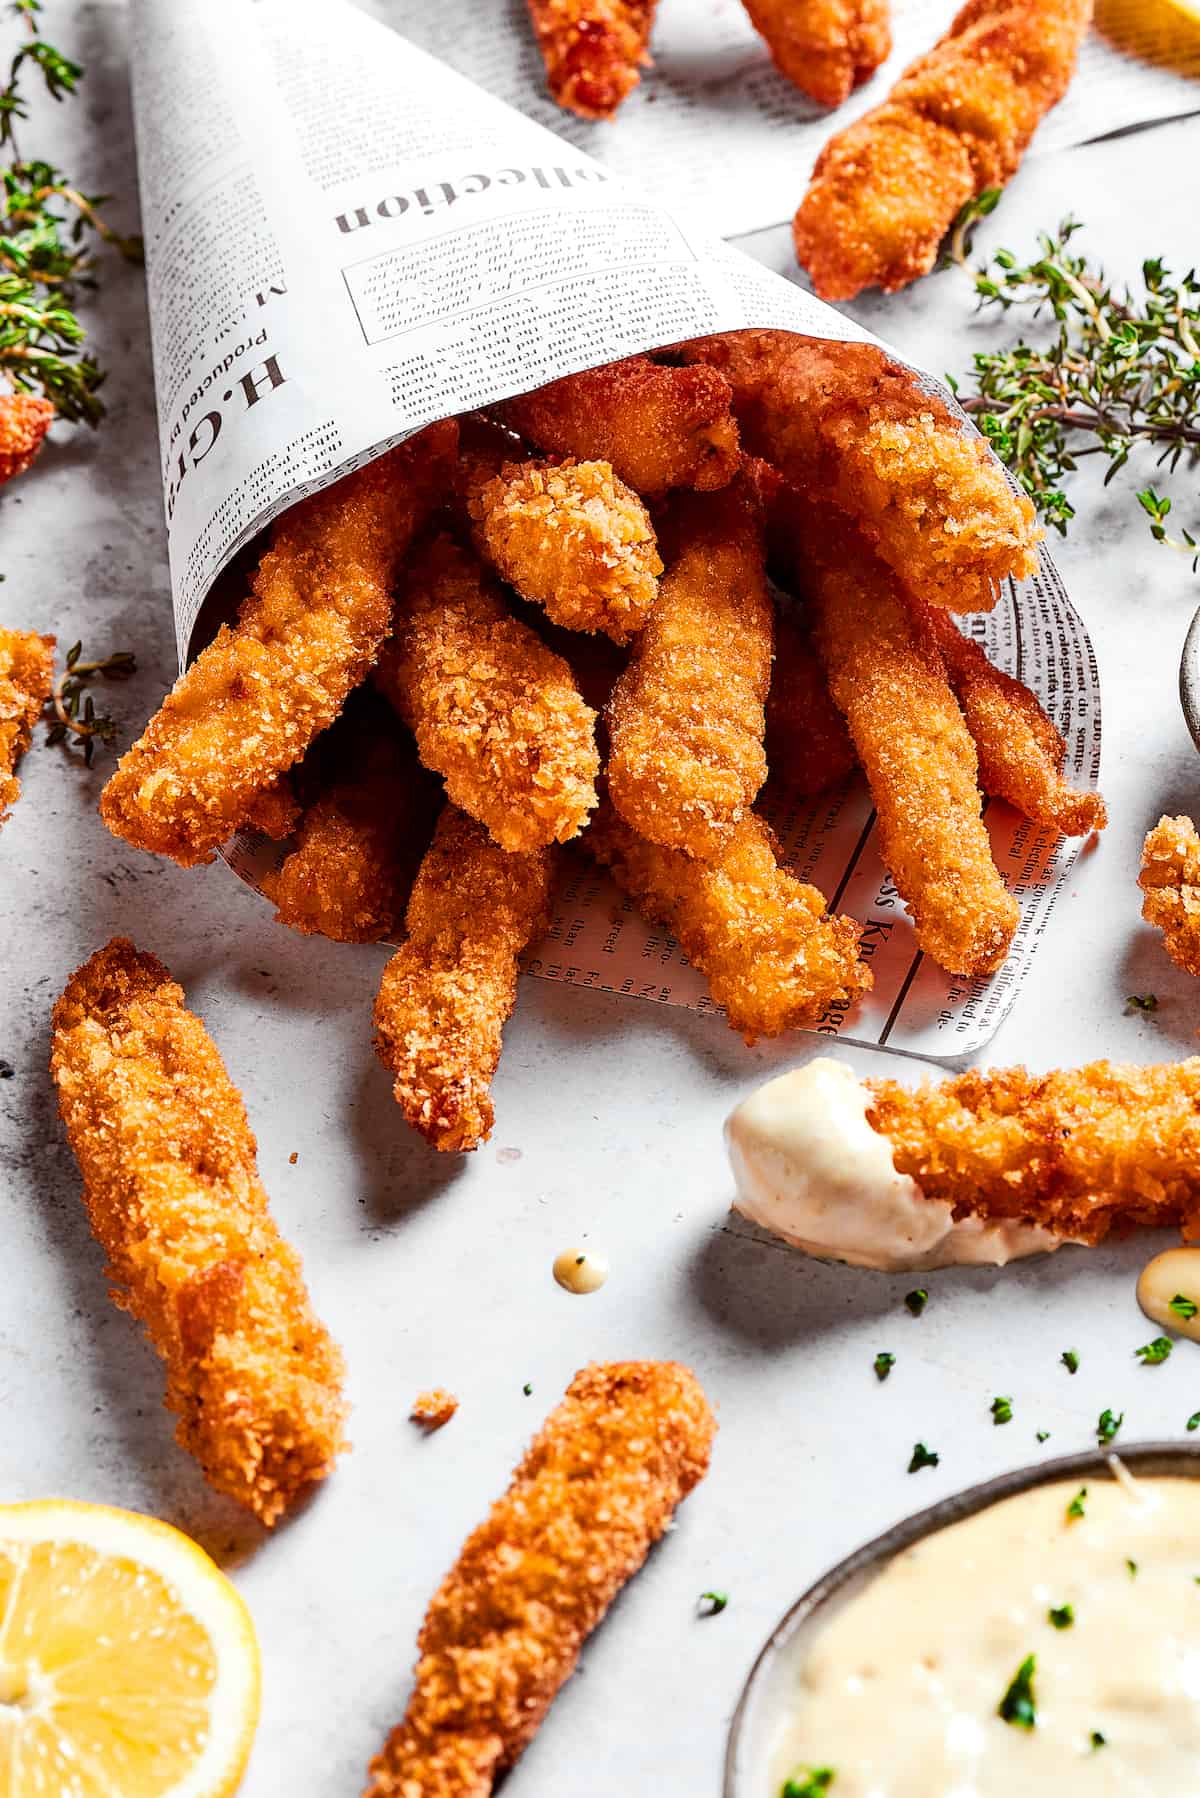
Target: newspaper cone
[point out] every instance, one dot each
(346, 241)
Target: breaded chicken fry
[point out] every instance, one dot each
(365, 827)
(570, 537)
(886, 190)
(26, 677)
(658, 427)
(593, 50)
(808, 745)
(493, 710)
(174, 1198)
(826, 48)
(253, 701)
(598, 1487)
(274, 809)
(849, 427)
(1170, 879)
(774, 960)
(916, 752)
(1020, 752)
(1077, 1151)
(449, 988)
(685, 720)
(24, 420)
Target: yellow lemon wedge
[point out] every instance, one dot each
(128, 1663)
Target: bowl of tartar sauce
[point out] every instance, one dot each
(1036, 1635)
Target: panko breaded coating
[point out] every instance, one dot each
(775, 960)
(808, 745)
(24, 420)
(252, 702)
(658, 427)
(433, 1409)
(1080, 1151)
(1020, 751)
(570, 536)
(274, 809)
(174, 1198)
(1170, 879)
(494, 711)
(685, 720)
(826, 48)
(448, 990)
(594, 50)
(362, 833)
(849, 427)
(26, 677)
(916, 752)
(885, 191)
(598, 1487)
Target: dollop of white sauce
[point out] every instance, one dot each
(1175, 1274)
(809, 1168)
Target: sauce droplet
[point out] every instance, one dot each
(578, 1271)
(1168, 1290)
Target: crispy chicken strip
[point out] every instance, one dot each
(685, 720)
(26, 677)
(1077, 1151)
(808, 745)
(274, 809)
(1020, 751)
(24, 420)
(658, 427)
(571, 537)
(849, 427)
(593, 50)
(174, 1198)
(1170, 879)
(494, 711)
(598, 1487)
(826, 48)
(449, 988)
(886, 190)
(917, 754)
(253, 701)
(368, 821)
(774, 959)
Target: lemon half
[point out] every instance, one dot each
(128, 1663)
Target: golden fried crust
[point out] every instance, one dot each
(685, 719)
(1020, 751)
(849, 427)
(808, 745)
(274, 809)
(253, 701)
(885, 191)
(24, 421)
(825, 47)
(174, 1198)
(598, 1487)
(447, 991)
(26, 677)
(1079, 1151)
(593, 50)
(658, 427)
(916, 752)
(570, 537)
(774, 960)
(1170, 879)
(494, 711)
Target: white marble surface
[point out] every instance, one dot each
(438, 1272)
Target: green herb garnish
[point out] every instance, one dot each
(1062, 1616)
(1098, 1741)
(1143, 1001)
(84, 727)
(714, 1603)
(1132, 1566)
(1193, 1422)
(1001, 1410)
(1018, 1705)
(1183, 1307)
(808, 1782)
(1153, 1354)
(883, 1364)
(916, 1300)
(527, 1389)
(1076, 1506)
(1070, 1360)
(1043, 1435)
(922, 1457)
(1107, 1426)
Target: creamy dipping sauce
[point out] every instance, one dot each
(579, 1272)
(808, 1167)
(1173, 1275)
(899, 1693)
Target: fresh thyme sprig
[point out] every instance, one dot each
(84, 726)
(1115, 372)
(45, 259)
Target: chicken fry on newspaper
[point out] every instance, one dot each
(1170, 879)
(658, 427)
(26, 677)
(594, 50)
(174, 1198)
(598, 1487)
(886, 190)
(449, 988)
(685, 720)
(252, 702)
(826, 48)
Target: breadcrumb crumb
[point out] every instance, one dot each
(434, 1408)
(26, 677)
(1170, 879)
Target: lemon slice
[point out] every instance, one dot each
(128, 1663)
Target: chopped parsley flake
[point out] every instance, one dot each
(1070, 1360)
(1062, 1616)
(1043, 1435)
(1098, 1741)
(1153, 1354)
(1142, 1002)
(1001, 1410)
(1132, 1566)
(916, 1300)
(1108, 1425)
(1183, 1306)
(922, 1457)
(1076, 1506)
(883, 1364)
(1018, 1706)
(527, 1389)
(1193, 1422)
(713, 1602)
(808, 1782)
